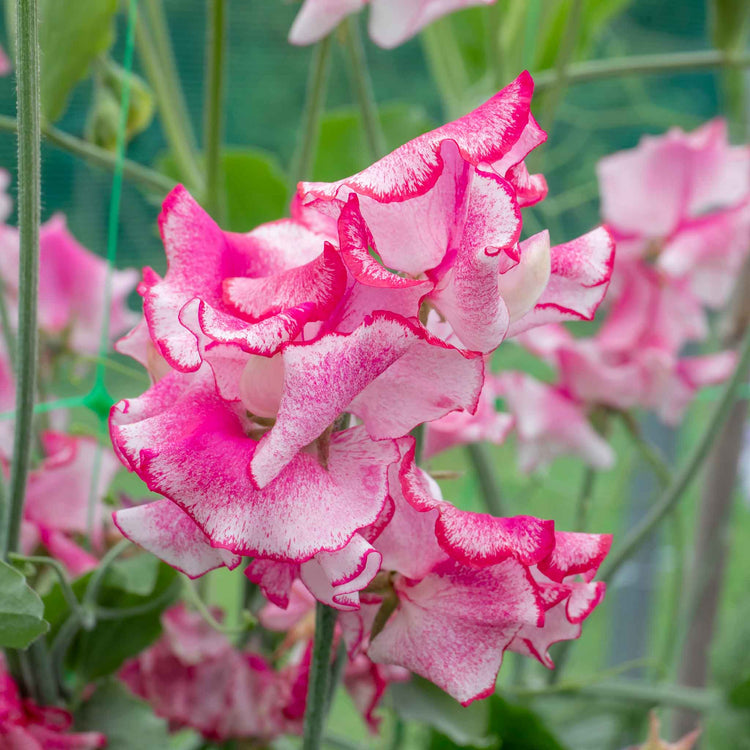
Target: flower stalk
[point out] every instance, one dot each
(213, 109)
(317, 87)
(489, 486)
(29, 210)
(362, 86)
(683, 479)
(320, 686)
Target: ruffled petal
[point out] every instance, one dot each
(476, 538)
(319, 283)
(453, 626)
(317, 19)
(386, 361)
(191, 446)
(485, 135)
(166, 531)
(579, 278)
(336, 578)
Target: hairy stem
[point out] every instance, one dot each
(29, 202)
(317, 87)
(320, 677)
(361, 82)
(212, 107)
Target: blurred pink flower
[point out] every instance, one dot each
(194, 677)
(682, 200)
(26, 726)
(71, 284)
(57, 500)
(392, 22)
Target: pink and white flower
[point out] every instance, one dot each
(392, 22)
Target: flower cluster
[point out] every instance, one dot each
(291, 364)
(392, 22)
(678, 206)
(26, 726)
(71, 308)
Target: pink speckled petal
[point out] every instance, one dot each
(166, 531)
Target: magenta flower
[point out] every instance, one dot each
(26, 726)
(392, 22)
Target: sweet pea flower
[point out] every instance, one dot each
(470, 586)
(193, 677)
(26, 726)
(57, 500)
(453, 198)
(487, 424)
(684, 200)
(71, 305)
(392, 22)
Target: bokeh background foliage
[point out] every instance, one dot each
(264, 100)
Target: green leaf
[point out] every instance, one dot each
(71, 36)
(595, 15)
(421, 701)
(102, 651)
(511, 727)
(134, 575)
(342, 146)
(128, 722)
(256, 189)
(21, 610)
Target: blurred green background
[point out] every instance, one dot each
(265, 94)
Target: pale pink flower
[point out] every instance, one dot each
(55, 513)
(392, 22)
(487, 424)
(194, 677)
(71, 283)
(5, 64)
(549, 423)
(26, 726)
(683, 199)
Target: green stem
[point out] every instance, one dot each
(62, 576)
(320, 677)
(446, 66)
(97, 577)
(120, 613)
(317, 87)
(172, 112)
(650, 454)
(195, 599)
(583, 506)
(99, 157)
(631, 692)
(29, 205)
(481, 460)
(48, 406)
(680, 483)
(41, 667)
(676, 62)
(359, 75)
(564, 56)
(212, 108)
